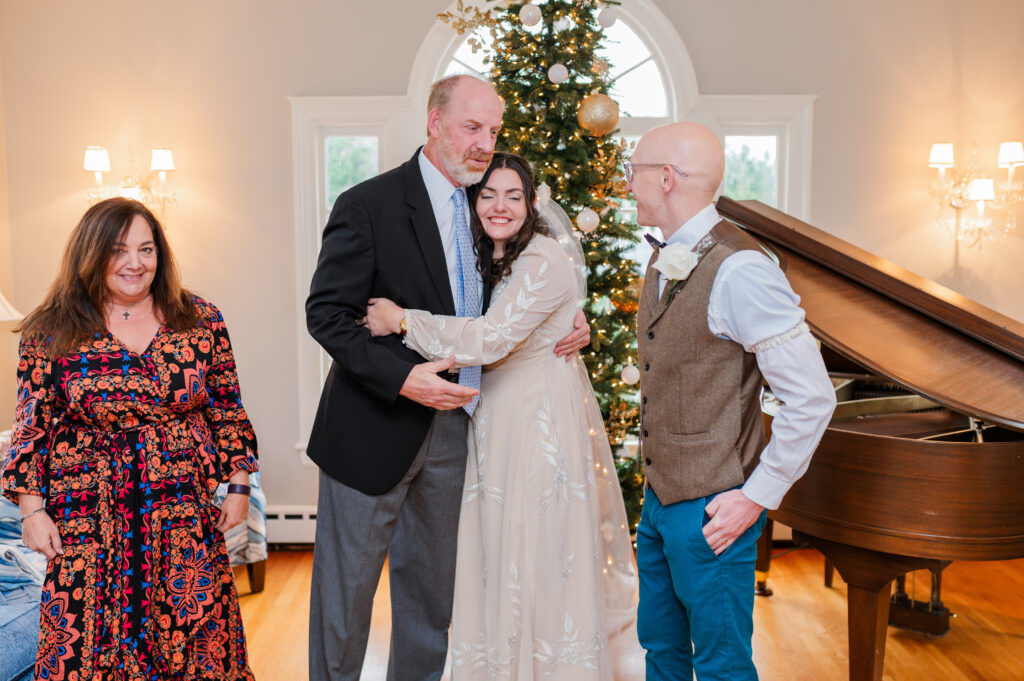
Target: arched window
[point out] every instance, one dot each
(638, 84)
(639, 72)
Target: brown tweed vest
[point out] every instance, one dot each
(700, 418)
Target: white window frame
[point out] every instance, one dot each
(314, 119)
(788, 117)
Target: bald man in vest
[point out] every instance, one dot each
(716, 318)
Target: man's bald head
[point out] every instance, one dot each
(693, 147)
(677, 170)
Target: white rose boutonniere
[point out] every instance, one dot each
(675, 262)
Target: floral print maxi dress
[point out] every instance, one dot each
(127, 450)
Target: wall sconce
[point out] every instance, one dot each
(958, 188)
(972, 229)
(154, 194)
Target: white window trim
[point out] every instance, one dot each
(392, 121)
(790, 117)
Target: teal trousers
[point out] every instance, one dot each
(696, 609)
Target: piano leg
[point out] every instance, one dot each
(764, 560)
(868, 575)
(928, 617)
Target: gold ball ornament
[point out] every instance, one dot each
(598, 114)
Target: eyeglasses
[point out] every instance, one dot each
(628, 168)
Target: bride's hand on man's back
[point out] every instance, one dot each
(383, 317)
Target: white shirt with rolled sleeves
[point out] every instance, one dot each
(753, 304)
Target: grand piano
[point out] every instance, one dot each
(923, 462)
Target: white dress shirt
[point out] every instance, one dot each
(753, 304)
(440, 191)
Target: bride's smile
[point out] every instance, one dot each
(501, 206)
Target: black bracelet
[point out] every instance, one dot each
(236, 488)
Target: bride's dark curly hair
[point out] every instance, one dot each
(533, 224)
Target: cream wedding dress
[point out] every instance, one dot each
(545, 584)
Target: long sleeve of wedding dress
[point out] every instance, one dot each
(541, 283)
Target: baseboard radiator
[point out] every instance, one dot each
(291, 524)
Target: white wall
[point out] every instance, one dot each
(8, 342)
(211, 78)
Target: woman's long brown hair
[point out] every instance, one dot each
(533, 224)
(72, 310)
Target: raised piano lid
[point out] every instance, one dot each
(918, 333)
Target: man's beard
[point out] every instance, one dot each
(455, 164)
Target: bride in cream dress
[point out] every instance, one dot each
(545, 584)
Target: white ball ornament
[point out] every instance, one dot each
(530, 15)
(587, 220)
(607, 17)
(558, 73)
(630, 374)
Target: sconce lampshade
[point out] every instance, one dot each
(1011, 154)
(982, 189)
(941, 156)
(7, 311)
(96, 160)
(162, 159)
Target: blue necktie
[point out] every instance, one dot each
(467, 302)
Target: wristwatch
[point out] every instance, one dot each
(401, 327)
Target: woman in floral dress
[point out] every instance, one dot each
(545, 581)
(128, 418)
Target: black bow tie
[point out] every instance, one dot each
(654, 242)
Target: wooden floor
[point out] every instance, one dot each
(799, 633)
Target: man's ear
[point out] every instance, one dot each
(668, 180)
(434, 122)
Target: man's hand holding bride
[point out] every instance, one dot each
(422, 385)
(578, 339)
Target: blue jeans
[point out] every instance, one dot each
(696, 608)
(19, 638)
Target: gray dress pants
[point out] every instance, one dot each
(415, 524)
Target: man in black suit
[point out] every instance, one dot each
(390, 432)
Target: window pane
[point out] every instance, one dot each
(751, 168)
(350, 160)
(641, 92)
(637, 83)
(465, 59)
(622, 48)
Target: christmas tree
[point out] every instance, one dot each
(544, 63)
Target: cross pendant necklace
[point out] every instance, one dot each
(126, 314)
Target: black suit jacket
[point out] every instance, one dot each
(381, 241)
